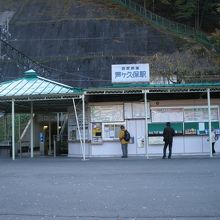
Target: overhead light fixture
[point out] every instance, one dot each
(45, 127)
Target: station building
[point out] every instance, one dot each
(90, 119)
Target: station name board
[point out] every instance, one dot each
(130, 73)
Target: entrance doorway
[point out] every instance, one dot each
(53, 135)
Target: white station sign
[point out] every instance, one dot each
(130, 73)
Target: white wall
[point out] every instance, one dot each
(75, 149)
(136, 127)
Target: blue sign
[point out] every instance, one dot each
(41, 137)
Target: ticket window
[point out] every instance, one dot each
(111, 131)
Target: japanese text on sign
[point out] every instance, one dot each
(128, 73)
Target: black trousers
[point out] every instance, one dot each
(213, 147)
(170, 143)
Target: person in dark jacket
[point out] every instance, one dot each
(168, 134)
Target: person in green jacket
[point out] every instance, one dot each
(124, 143)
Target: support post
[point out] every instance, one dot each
(84, 130)
(32, 131)
(58, 124)
(146, 125)
(210, 124)
(49, 136)
(78, 127)
(13, 129)
(19, 133)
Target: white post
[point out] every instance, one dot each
(32, 131)
(57, 138)
(49, 136)
(146, 125)
(77, 122)
(13, 128)
(19, 133)
(210, 124)
(58, 124)
(84, 130)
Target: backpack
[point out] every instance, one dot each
(127, 136)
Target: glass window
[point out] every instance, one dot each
(111, 131)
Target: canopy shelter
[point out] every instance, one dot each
(35, 94)
(151, 92)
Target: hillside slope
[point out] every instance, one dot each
(80, 39)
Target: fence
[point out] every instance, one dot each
(174, 27)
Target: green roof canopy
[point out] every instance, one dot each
(33, 85)
(47, 95)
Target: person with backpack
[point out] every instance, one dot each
(124, 138)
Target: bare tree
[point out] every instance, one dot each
(183, 67)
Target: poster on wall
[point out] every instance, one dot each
(200, 114)
(167, 114)
(158, 140)
(73, 131)
(106, 113)
(139, 110)
(128, 110)
(136, 110)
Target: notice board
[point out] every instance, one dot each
(167, 114)
(200, 114)
(106, 113)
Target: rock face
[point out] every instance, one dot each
(79, 40)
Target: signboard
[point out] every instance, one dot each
(157, 140)
(200, 114)
(107, 113)
(136, 110)
(167, 114)
(42, 137)
(130, 73)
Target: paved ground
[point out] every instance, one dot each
(110, 188)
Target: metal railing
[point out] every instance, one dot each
(174, 27)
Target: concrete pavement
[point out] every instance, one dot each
(110, 188)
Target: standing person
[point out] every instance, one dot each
(124, 143)
(168, 134)
(213, 139)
